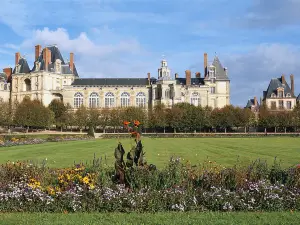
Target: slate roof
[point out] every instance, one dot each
(250, 103)
(24, 68)
(110, 81)
(298, 98)
(194, 81)
(220, 71)
(55, 54)
(276, 83)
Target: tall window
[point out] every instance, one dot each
(109, 100)
(27, 84)
(273, 105)
(94, 100)
(141, 99)
(125, 99)
(78, 100)
(288, 104)
(212, 90)
(281, 104)
(195, 99)
(167, 94)
(280, 94)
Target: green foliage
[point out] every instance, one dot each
(33, 114)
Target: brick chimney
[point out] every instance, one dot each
(282, 79)
(17, 58)
(205, 64)
(47, 58)
(176, 75)
(149, 77)
(8, 72)
(292, 84)
(255, 101)
(72, 61)
(188, 77)
(38, 49)
(198, 75)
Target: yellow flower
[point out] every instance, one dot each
(86, 180)
(92, 186)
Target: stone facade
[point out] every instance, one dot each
(51, 77)
(280, 95)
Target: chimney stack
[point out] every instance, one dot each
(176, 75)
(17, 58)
(292, 84)
(255, 101)
(198, 75)
(47, 58)
(72, 62)
(8, 72)
(149, 77)
(38, 49)
(188, 77)
(205, 64)
(282, 79)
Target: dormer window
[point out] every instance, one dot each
(273, 95)
(58, 66)
(288, 95)
(280, 93)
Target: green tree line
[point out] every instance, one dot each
(182, 117)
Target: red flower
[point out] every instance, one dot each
(126, 123)
(136, 123)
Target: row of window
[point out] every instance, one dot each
(280, 95)
(281, 105)
(109, 100)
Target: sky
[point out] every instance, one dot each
(257, 40)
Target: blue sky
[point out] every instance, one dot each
(256, 40)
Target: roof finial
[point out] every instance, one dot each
(216, 54)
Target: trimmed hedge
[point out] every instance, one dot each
(200, 135)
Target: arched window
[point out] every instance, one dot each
(27, 84)
(78, 100)
(94, 100)
(109, 100)
(141, 99)
(195, 99)
(167, 94)
(125, 99)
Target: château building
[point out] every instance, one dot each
(278, 96)
(52, 77)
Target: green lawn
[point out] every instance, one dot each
(281, 218)
(224, 151)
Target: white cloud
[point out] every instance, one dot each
(251, 72)
(100, 57)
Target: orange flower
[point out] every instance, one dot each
(136, 123)
(126, 123)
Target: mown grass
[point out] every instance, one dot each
(225, 151)
(281, 218)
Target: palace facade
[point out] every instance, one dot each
(52, 77)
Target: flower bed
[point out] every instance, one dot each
(8, 141)
(178, 187)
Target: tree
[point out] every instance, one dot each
(115, 118)
(81, 117)
(33, 114)
(104, 118)
(157, 117)
(173, 117)
(93, 118)
(59, 109)
(6, 115)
